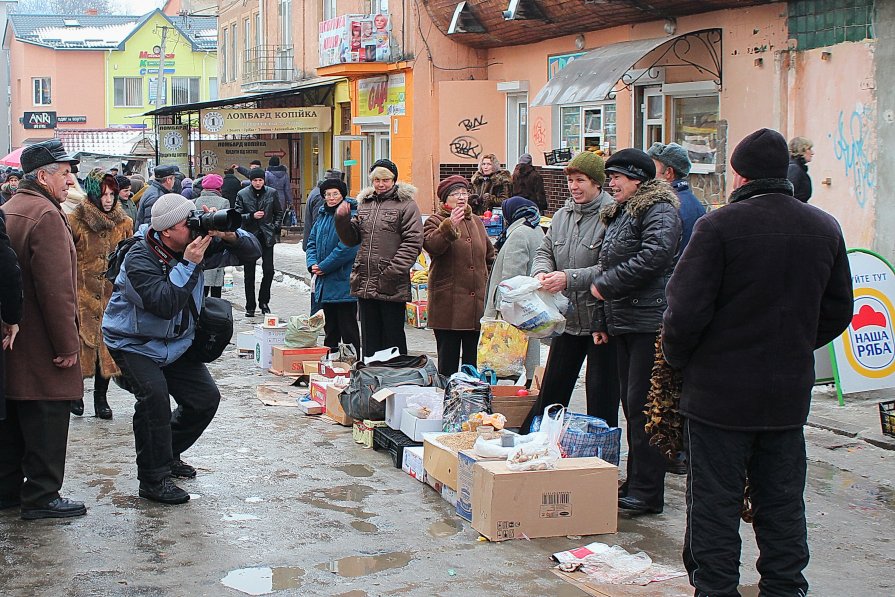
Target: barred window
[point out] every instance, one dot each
(185, 89)
(821, 23)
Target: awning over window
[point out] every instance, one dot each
(593, 76)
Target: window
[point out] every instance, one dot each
(587, 128)
(329, 10)
(247, 35)
(42, 95)
(212, 88)
(222, 58)
(285, 8)
(695, 128)
(153, 84)
(128, 92)
(185, 90)
(234, 56)
(821, 23)
(257, 29)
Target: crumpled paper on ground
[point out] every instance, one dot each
(604, 564)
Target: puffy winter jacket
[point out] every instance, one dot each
(389, 230)
(278, 178)
(267, 229)
(331, 255)
(636, 259)
(150, 195)
(149, 312)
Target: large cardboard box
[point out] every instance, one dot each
(289, 361)
(466, 460)
(334, 408)
(414, 427)
(265, 340)
(413, 463)
(440, 461)
(579, 497)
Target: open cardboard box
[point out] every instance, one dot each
(515, 408)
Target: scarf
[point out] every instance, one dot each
(762, 186)
(517, 208)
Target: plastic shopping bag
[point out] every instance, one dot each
(538, 313)
(584, 436)
(463, 396)
(502, 348)
(542, 452)
(302, 331)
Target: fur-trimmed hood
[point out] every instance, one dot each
(650, 193)
(404, 192)
(498, 177)
(97, 221)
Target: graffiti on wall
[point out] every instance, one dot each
(466, 146)
(851, 146)
(539, 135)
(473, 124)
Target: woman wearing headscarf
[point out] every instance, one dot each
(566, 262)
(389, 229)
(98, 225)
(801, 150)
(212, 198)
(528, 183)
(516, 246)
(331, 260)
(491, 184)
(462, 255)
(643, 231)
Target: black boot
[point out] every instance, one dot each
(100, 403)
(77, 407)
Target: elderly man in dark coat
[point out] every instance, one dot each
(43, 375)
(10, 302)
(762, 284)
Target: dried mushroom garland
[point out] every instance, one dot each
(663, 420)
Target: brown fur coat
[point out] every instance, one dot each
(96, 234)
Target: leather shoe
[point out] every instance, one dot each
(637, 506)
(9, 502)
(101, 407)
(164, 491)
(59, 508)
(265, 309)
(77, 407)
(250, 313)
(182, 470)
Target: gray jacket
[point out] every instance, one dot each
(572, 245)
(213, 277)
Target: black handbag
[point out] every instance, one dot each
(405, 370)
(214, 329)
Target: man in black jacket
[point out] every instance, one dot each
(162, 182)
(262, 216)
(762, 284)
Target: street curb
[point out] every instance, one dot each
(873, 438)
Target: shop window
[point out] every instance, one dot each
(42, 95)
(185, 90)
(588, 128)
(212, 88)
(128, 92)
(222, 55)
(695, 128)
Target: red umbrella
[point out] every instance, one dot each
(14, 158)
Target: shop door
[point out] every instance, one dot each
(380, 145)
(517, 127)
(351, 156)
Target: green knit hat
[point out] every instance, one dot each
(590, 164)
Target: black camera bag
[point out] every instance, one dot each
(214, 329)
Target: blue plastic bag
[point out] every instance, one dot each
(585, 436)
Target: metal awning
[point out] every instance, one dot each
(593, 77)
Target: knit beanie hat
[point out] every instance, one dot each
(256, 173)
(332, 183)
(273, 161)
(212, 182)
(169, 210)
(763, 154)
(672, 155)
(633, 163)
(449, 185)
(525, 158)
(590, 164)
(123, 182)
(387, 164)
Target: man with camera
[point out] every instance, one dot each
(149, 326)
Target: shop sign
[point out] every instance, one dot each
(864, 355)
(217, 156)
(76, 119)
(559, 62)
(174, 146)
(354, 38)
(381, 96)
(39, 120)
(149, 63)
(264, 121)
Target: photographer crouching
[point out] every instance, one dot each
(149, 327)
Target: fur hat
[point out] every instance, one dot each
(763, 154)
(673, 156)
(212, 182)
(387, 164)
(449, 185)
(633, 163)
(525, 158)
(256, 173)
(331, 183)
(169, 210)
(590, 164)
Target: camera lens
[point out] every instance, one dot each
(225, 220)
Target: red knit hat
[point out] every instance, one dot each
(449, 184)
(212, 182)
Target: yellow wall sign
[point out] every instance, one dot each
(258, 121)
(381, 96)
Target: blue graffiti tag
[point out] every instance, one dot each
(849, 149)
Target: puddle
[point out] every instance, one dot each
(108, 471)
(355, 470)
(860, 493)
(261, 581)
(356, 512)
(354, 566)
(353, 594)
(106, 486)
(365, 527)
(346, 493)
(236, 517)
(445, 528)
(126, 501)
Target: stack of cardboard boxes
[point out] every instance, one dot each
(418, 307)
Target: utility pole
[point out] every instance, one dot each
(160, 79)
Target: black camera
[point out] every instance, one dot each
(202, 222)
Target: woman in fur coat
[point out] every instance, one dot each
(98, 225)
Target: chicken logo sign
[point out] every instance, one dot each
(865, 352)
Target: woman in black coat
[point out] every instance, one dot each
(528, 183)
(10, 303)
(801, 150)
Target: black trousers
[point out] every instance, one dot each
(567, 353)
(341, 325)
(160, 435)
(646, 465)
(381, 325)
(33, 442)
(450, 343)
(215, 291)
(719, 462)
(100, 383)
(266, 279)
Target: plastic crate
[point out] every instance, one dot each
(394, 442)
(493, 229)
(887, 417)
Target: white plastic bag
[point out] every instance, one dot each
(542, 452)
(538, 313)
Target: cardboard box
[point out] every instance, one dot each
(318, 390)
(334, 408)
(395, 405)
(334, 369)
(362, 432)
(414, 427)
(579, 497)
(515, 408)
(417, 315)
(290, 361)
(265, 340)
(449, 495)
(245, 343)
(413, 463)
(310, 407)
(466, 460)
(440, 462)
(271, 321)
(419, 292)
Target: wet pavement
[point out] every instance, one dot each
(289, 505)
